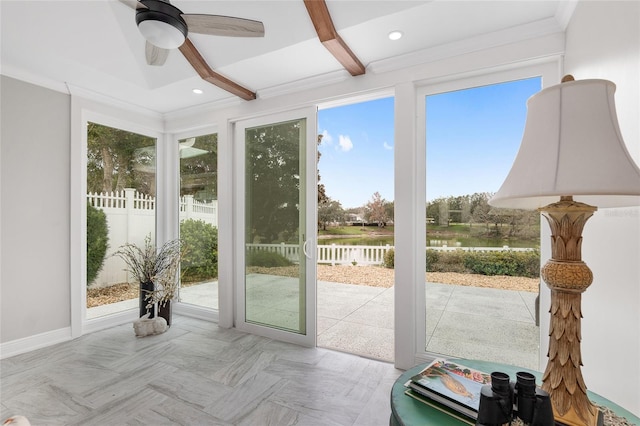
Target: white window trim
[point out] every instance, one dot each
(410, 178)
(82, 112)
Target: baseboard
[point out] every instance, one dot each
(108, 321)
(195, 312)
(31, 343)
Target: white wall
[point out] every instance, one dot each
(34, 284)
(603, 41)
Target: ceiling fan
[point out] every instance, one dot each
(165, 27)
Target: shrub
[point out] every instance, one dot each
(450, 261)
(512, 263)
(389, 259)
(432, 260)
(267, 259)
(200, 259)
(97, 241)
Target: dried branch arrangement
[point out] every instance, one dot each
(147, 264)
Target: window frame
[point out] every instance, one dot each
(84, 111)
(410, 329)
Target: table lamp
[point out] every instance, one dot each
(571, 148)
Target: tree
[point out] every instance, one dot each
(330, 211)
(273, 182)
(389, 209)
(118, 159)
(375, 210)
(322, 193)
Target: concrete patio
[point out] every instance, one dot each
(471, 322)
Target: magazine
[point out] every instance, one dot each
(451, 384)
(442, 408)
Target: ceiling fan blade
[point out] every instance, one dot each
(206, 73)
(155, 55)
(223, 25)
(134, 4)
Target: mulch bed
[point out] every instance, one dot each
(374, 276)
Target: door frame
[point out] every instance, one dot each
(410, 329)
(309, 151)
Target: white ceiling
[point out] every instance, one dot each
(94, 45)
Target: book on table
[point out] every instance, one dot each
(451, 384)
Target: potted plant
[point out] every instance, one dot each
(156, 271)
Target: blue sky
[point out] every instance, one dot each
(473, 136)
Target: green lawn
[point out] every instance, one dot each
(356, 230)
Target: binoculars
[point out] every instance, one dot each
(503, 400)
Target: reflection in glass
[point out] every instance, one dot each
(199, 220)
(274, 216)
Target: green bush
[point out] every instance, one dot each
(97, 241)
(512, 263)
(389, 259)
(200, 259)
(267, 259)
(432, 260)
(447, 261)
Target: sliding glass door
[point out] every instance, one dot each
(277, 226)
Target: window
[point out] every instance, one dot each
(199, 220)
(121, 209)
(482, 262)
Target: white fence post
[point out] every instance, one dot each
(129, 195)
(189, 207)
(333, 254)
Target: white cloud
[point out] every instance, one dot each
(387, 146)
(345, 143)
(326, 137)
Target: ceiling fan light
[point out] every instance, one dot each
(162, 26)
(161, 34)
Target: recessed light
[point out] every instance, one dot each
(198, 91)
(395, 35)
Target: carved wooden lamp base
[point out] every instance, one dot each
(568, 277)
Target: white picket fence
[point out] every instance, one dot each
(335, 254)
(131, 218)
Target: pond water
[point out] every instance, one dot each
(357, 241)
(481, 242)
(431, 242)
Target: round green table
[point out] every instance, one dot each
(406, 411)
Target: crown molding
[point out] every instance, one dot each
(321, 80)
(103, 99)
(298, 86)
(470, 45)
(37, 80)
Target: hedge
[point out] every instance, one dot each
(267, 259)
(512, 263)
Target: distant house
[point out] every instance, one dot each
(354, 218)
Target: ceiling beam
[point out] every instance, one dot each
(319, 14)
(202, 68)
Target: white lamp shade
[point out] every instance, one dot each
(161, 34)
(571, 146)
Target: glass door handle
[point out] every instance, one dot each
(304, 249)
